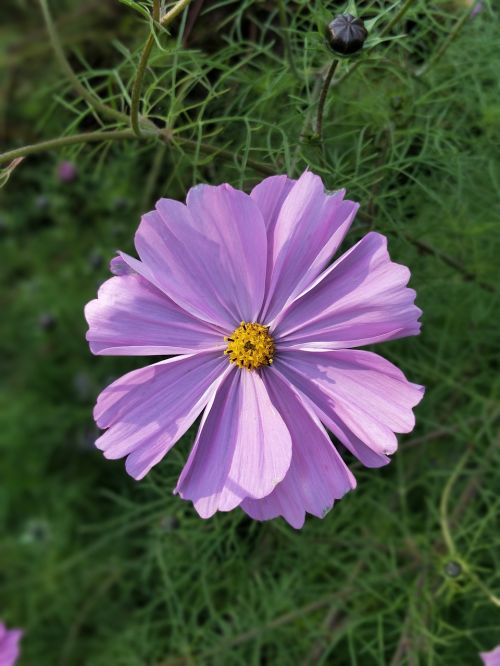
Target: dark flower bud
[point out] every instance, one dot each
(47, 321)
(452, 569)
(346, 34)
(42, 202)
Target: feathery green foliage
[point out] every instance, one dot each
(104, 571)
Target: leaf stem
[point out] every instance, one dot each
(177, 9)
(116, 135)
(286, 38)
(59, 142)
(397, 17)
(210, 149)
(447, 42)
(78, 86)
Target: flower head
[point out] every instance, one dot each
(346, 34)
(66, 172)
(264, 334)
(491, 658)
(9, 645)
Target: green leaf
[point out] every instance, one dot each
(371, 23)
(137, 7)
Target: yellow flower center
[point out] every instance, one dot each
(250, 346)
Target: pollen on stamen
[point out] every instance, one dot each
(250, 346)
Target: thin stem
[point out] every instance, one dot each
(286, 38)
(116, 135)
(443, 506)
(397, 17)
(447, 42)
(209, 149)
(450, 261)
(322, 98)
(146, 52)
(86, 137)
(79, 88)
(137, 87)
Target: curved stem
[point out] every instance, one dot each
(137, 88)
(209, 149)
(322, 98)
(85, 137)
(444, 46)
(177, 9)
(78, 86)
(443, 505)
(286, 38)
(116, 135)
(397, 17)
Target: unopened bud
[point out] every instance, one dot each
(346, 34)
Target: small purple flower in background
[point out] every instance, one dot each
(66, 172)
(477, 9)
(9, 645)
(265, 330)
(491, 658)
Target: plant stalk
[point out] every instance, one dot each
(177, 9)
(78, 86)
(322, 98)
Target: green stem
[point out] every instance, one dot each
(286, 38)
(397, 17)
(443, 506)
(322, 98)
(447, 42)
(86, 137)
(137, 87)
(156, 10)
(209, 149)
(116, 135)
(177, 9)
(79, 88)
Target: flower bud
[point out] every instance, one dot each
(346, 34)
(47, 321)
(452, 569)
(66, 172)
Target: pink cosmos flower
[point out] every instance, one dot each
(9, 645)
(66, 172)
(265, 331)
(491, 658)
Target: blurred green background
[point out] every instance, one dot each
(105, 571)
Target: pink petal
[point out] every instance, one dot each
(269, 195)
(243, 448)
(208, 256)
(132, 317)
(118, 266)
(491, 658)
(310, 226)
(317, 475)
(147, 410)
(355, 392)
(362, 298)
(9, 645)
